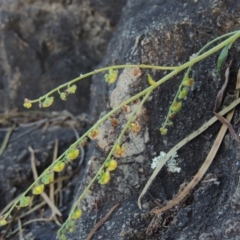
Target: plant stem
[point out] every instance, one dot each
(117, 142)
(102, 70)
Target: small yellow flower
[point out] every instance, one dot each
(27, 103)
(24, 201)
(72, 154)
(111, 76)
(59, 167)
(48, 102)
(188, 82)
(111, 165)
(176, 106)
(104, 178)
(119, 151)
(63, 237)
(93, 134)
(77, 214)
(3, 222)
(38, 189)
(163, 130)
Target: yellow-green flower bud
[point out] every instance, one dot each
(183, 93)
(104, 178)
(111, 76)
(3, 222)
(163, 131)
(24, 201)
(188, 82)
(111, 165)
(119, 151)
(27, 103)
(72, 89)
(47, 178)
(59, 167)
(38, 189)
(48, 101)
(176, 106)
(77, 214)
(63, 237)
(63, 96)
(72, 154)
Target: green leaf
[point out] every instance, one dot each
(222, 57)
(150, 80)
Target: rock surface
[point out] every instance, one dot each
(45, 44)
(149, 32)
(42, 45)
(167, 33)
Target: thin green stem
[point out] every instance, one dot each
(152, 87)
(189, 69)
(32, 185)
(175, 70)
(125, 66)
(215, 40)
(210, 43)
(193, 61)
(102, 70)
(117, 142)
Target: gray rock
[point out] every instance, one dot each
(149, 32)
(45, 44)
(167, 33)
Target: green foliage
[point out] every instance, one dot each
(222, 57)
(150, 80)
(118, 150)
